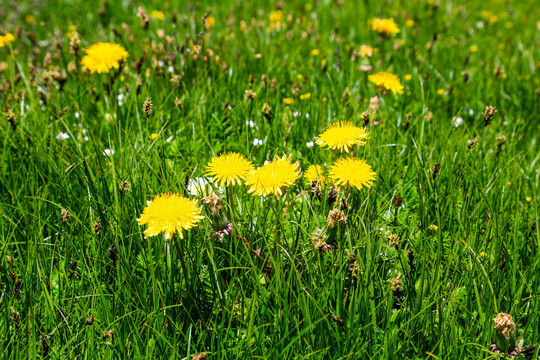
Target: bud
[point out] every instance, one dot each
(250, 95)
(315, 189)
(145, 20)
(106, 336)
(75, 44)
(266, 111)
(65, 215)
(265, 80)
(336, 217)
(214, 207)
(365, 118)
(10, 117)
(505, 332)
(397, 285)
(393, 240)
(97, 228)
(147, 107)
(472, 143)
(488, 114)
(500, 142)
(199, 356)
(436, 170)
(332, 195)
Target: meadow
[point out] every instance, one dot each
(306, 179)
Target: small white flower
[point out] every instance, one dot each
(108, 152)
(170, 69)
(160, 63)
(296, 114)
(257, 142)
(252, 124)
(457, 121)
(471, 112)
(310, 144)
(62, 136)
(77, 115)
(86, 138)
(480, 24)
(169, 139)
(307, 115)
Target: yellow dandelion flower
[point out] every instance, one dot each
(409, 22)
(408, 77)
(156, 14)
(305, 96)
(483, 254)
(366, 51)
(528, 198)
(6, 39)
(440, 91)
(209, 22)
(341, 136)
(473, 48)
(433, 227)
(387, 82)
(288, 101)
(102, 56)
(169, 213)
(30, 19)
(315, 52)
(229, 169)
(273, 177)
(384, 26)
(315, 172)
(154, 136)
(352, 172)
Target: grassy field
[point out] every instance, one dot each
(417, 265)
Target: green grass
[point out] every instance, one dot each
(291, 302)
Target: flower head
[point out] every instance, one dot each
(6, 39)
(341, 136)
(315, 172)
(273, 177)
(229, 169)
(352, 172)
(504, 324)
(169, 213)
(384, 26)
(387, 82)
(101, 57)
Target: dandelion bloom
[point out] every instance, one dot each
(156, 14)
(6, 39)
(229, 169)
(273, 177)
(366, 51)
(315, 172)
(288, 101)
(342, 136)
(352, 172)
(169, 213)
(384, 26)
(101, 57)
(387, 82)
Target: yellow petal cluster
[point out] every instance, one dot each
(352, 172)
(384, 26)
(342, 136)
(102, 56)
(6, 39)
(169, 213)
(229, 169)
(387, 81)
(273, 177)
